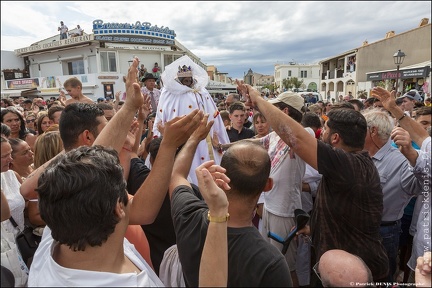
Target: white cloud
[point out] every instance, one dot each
(237, 35)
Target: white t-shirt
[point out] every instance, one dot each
(46, 272)
(63, 29)
(287, 175)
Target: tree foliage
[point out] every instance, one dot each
(292, 82)
(271, 87)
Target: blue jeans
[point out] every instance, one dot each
(63, 36)
(390, 235)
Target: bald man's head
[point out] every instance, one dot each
(339, 268)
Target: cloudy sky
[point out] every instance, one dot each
(232, 35)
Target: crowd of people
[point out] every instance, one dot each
(170, 187)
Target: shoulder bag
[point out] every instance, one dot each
(26, 241)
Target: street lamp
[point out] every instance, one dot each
(398, 58)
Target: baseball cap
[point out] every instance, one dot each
(413, 95)
(290, 98)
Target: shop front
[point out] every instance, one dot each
(410, 77)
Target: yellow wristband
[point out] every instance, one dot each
(218, 219)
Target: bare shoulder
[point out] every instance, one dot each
(70, 101)
(87, 100)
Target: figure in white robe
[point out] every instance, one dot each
(177, 99)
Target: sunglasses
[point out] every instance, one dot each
(30, 120)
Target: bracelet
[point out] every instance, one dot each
(127, 149)
(218, 219)
(402, 117)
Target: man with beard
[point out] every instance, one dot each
(349, 202)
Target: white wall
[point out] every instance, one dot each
(10, 61)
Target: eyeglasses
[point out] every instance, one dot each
(30, 120)
(315, 269)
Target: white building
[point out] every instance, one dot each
(372, 64)
(309, 73)
(98, 60)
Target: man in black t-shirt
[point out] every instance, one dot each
(237, 131)
(252, 261)
(349, 202)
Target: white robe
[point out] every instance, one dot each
(178, 100)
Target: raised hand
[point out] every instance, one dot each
(250, 94)
(203, 129)
(132, 134)
(117, 96)
(211, 181)
(401, 137)
(144, 110)
(179, 129)
(423, 270)
(62, 96)
(241, 87)
(134, 98)
(215, 139)
(387, 98)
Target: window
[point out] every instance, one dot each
(289, 73)
(303, 74)
(168, 59)
(108, 61)
(76, 67)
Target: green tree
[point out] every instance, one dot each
(296, 82)
(289, 83)
(286, 83)
(271, 87)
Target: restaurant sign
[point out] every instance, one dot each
(403, 74)
(136, 40)
(22, 83)
(121, 32)
(55, 44)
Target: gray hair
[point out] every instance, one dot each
(380, 119)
